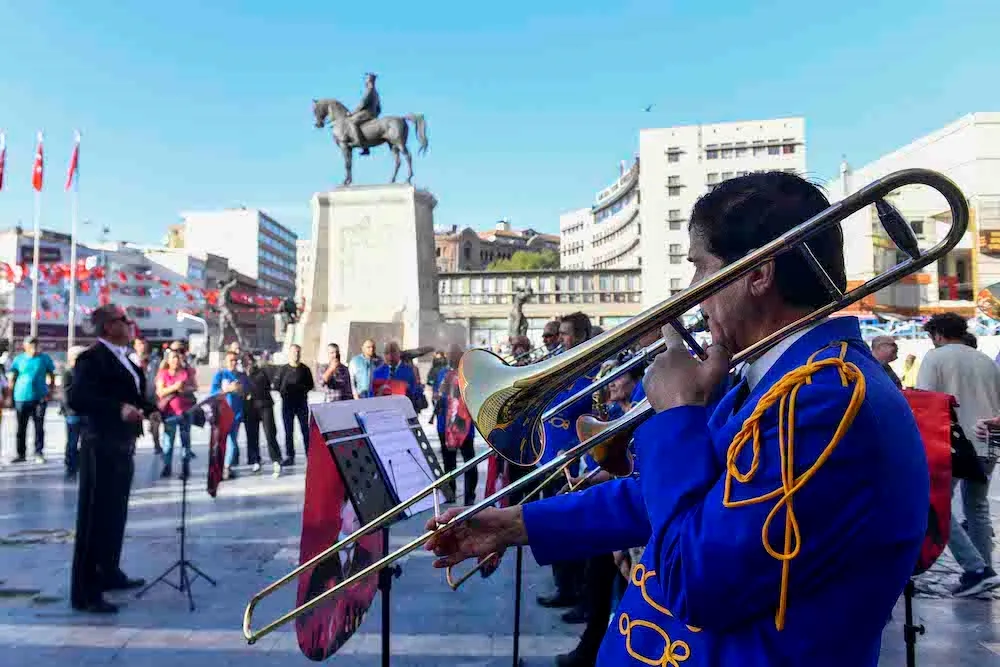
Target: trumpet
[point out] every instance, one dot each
(508, 403)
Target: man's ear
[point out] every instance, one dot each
(762, 279)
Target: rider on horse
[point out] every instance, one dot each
(369, 109)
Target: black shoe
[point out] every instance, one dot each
(18, 459)
(365, 151)
(290, 461)
(125, 584)
(578, 657)
(97, 607)
(574, 616)
(166, 472)
(557, 601)
(973, 583)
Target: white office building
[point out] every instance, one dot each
(680, 164)
(255, 244)
(968, 152)
(606, 234)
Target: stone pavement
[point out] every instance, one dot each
(248, 536)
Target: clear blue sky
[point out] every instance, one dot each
(530, 105)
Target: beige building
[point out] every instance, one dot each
(468, 250)
(304, 256)
(968, 152)
(606, 234)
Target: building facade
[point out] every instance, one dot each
(679, 164)
(255, 244)
(481, 301)
(468, 250)
(605, 235)
(968, 152)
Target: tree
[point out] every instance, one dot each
(523, 260)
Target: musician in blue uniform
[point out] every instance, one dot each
(781, 522)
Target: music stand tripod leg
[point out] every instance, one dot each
(519, 566)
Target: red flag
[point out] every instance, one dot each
(222, 422)
(74, 163)
(3, 156)
(36, 172)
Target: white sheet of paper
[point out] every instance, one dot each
(399, 452)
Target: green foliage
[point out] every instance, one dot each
(527, 261)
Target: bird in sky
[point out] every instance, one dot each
(649, 107)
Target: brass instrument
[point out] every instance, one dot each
(508, 403)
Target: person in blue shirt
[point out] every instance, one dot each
(362, 368)
(781, 521)
(394, 369)
(32, 376)
(234, 384)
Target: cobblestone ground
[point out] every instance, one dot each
(248, 536)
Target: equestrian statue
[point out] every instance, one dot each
(365, 128)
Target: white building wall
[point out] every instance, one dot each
(968, 152)
(304, 256)
(605, 235)
(574, 239)
(232, 234)
(678, 164)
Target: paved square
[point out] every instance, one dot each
(248, 536)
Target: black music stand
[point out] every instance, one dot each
(519, 567)
(183, 564)
(372, 494)
(910, 631)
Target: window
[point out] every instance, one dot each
(673, 154)
(673, 180)
(675, 252)
(917, 226)
(675, 225)
(674, 191)
(712, 177)
(675, 283)
(674, 214)
(741, 173)
(675, 248)
(727, 153)
(741, 151)
(759, 150)
(788, 149)
(726, 175)
(773, 150)
(711, 155)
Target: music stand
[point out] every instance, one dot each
(371, 485)
(182, 565)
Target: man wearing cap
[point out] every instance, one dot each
(369, 109)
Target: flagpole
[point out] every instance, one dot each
(74, 201)
(37, 182)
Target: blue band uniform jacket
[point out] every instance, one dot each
(706, 591)
(560, 430)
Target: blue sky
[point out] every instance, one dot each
(530, 105)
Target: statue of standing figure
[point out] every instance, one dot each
(225, 313)
(365, 127)
(517, 323)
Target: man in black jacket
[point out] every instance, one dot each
(109, 391)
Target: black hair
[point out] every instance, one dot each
(744, 213)
(947, 325)
(580, 323)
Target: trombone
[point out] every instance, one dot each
(508, 402)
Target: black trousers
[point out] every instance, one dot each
(33, 411)
(599, 575)
(292, 409)
(568, 574)
(450, 459)
(253, 419)
(106, 470)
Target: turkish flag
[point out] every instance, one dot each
(36, 172)
(74, 163)
(222, 423)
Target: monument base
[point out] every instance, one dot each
(373, 272)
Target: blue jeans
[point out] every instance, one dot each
(73, 428)
(973, 548)
(170, 428)
(233, 448)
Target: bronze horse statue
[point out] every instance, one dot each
(392, 130)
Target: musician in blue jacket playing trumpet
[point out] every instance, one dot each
(782, 507)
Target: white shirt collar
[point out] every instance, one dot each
(120, 350)
(755, 370)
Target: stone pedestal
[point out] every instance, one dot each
(373, 274)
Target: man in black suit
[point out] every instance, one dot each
(109, 392)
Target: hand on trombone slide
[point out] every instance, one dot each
(675, 378)
(489, 532)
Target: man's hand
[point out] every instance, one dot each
(676, 378)
(130, 413)
(492, 530)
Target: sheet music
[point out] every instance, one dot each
(399, 453)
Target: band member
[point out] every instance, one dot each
(782, 521)
(109, 392)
